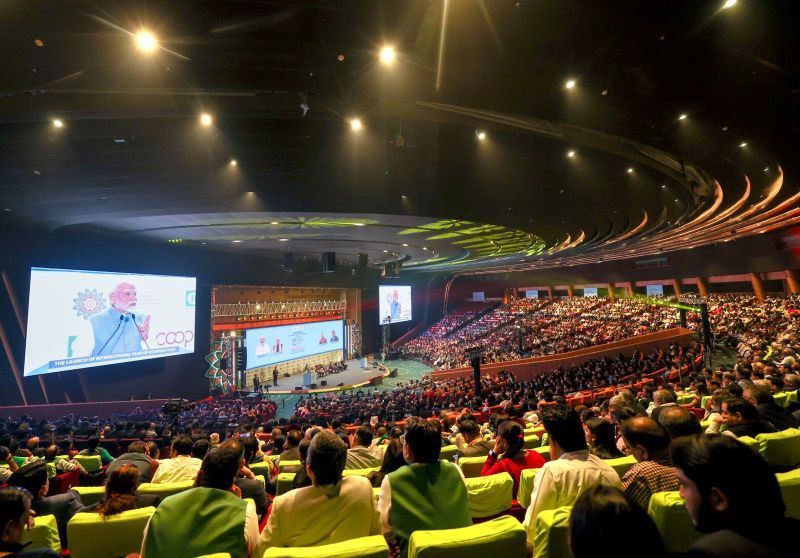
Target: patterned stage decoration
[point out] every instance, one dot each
(218, 377)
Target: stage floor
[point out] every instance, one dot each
(353, 376)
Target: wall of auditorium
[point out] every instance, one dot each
(175, 376)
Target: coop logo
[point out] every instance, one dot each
(189, 298)
(184, 338)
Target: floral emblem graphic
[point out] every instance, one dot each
(88, 303)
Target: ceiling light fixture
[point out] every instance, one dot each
(205, 119)
(630, 170)
(58, 123)
(388, 55)
(743, 144)
(283, 240)
(570, 84)
(683, 116)
(729, 4)
(234, 162)
(146, 41)
(480, 134)
(570, 153)
(355, 124)
(236, 241)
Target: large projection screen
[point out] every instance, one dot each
(80, 319)
(394, 303)
(268, 346)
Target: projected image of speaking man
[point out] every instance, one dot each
(120, 329)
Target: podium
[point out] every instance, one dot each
(364, 363)
(306, 378)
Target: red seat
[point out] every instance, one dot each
(63, 482)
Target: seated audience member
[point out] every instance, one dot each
(93, 448)
(362, 455)
(333, 509)
(392, 460)
(426, 493)
(33, 478)
(679, 422)
(768, 410)
(601, 439)
(473, 445)
(32, 445)
(7, 458)
(604, 521)
(648, 442)
(61, 464)
(153, 452)
(661, 400)
(213, 439)
(15, 519)
(509, 455)
(732, 494)
(302, 479)
(137, 457)
(181, 466)
(571, 468)
(290, 451)
(121, 494)
(252, 453)
(200, 448)
(210, 518)
(741, 418)
(249, 486)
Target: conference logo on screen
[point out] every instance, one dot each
(175, 338)
(88, 303)
(189, 299)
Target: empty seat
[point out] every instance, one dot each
(781, 449)
(531, 441)
(44, 533)
(489, 495)
(363, 547)
(472, 466)
(93, 536)
(526, 487)
(261, 469)
(752, 443)
(503, 536)
(91, 494)
(284, 483)
(551, 533)
(621, 464)
(165, 489)
(790, 490)
(673, 521)
(92, 463)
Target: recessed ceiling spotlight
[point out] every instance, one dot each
(146, 41)
(676, 200)
(683, 116)
(359, 224)
(386, 251)
(233, 162)
(206, 119)
(766, 169)
(570, 153)
(355, 124)
(404, 196)
(424, 248)
(663, 186)
(570, 84)
(387, 55)
(58, 123)
(630, 170)
(729, 4)
(404, 244)
(38, 42)
(340, 58)
(283, 240)
(743, 144)
(236, 241)
(120, 140)
(480, 134)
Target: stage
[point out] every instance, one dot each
(353, 377)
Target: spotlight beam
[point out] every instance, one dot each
(442, 39)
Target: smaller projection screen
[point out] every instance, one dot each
(81, 319)
(590, 291)
(268, 346)
(394, 303)
(655, 290)
(478, 296)
(532, 294)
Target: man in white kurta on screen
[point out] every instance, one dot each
(120, 329)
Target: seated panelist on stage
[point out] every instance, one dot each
(119, 329)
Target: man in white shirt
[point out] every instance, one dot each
(181, 466)
(333, 509)
(362, 455)
(572, 468)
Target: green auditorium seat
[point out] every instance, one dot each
(531, 441)
(92, 463)
(165, 489)
(489, 495)
(44, 533)
(284, 483)
(790, 489)
(781, 399)
(93, 536)
(552, 533)
(621, 464)
(526, 487)
(704, 400)
(289, 466)
(363, 547)
(545, 451)
(448, 452)
(503, 536)
(359, 472)
(686, 398)
(752, 443)
(673, 521)
(90, 494)
(471, 466)
(781, 449)
(216, 555)
(51, 470)
(791, 398)
(261, 469)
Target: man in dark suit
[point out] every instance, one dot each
(136, 456)
(768, 410)
(33, 477)
(247, 482)
(742, 418)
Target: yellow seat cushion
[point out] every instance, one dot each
(781, 449)
(472, 466)
(44, 533)
(531, 441)
(673, 521)
(92, 463)
(790, 490)
(544, 451)
(489, 495)
(90, 494)
(448, 453)
(165, 489)
(752, 443)
(551, 533)
(526, 487)
(359, 472)
(503, 536)
(93, 536)
(781, 399)
(363, 547)
(284, 483)
(289, 466)
(621, 464)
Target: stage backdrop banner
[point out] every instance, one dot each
(267, 346)
(80, 319)
(394, 303)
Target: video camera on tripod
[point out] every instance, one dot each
(175, 407)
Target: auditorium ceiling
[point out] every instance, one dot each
(503, 135)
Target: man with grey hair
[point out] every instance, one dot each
(661, 398)
(333, 509)
(768, 410)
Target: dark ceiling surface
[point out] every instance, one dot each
(605, 170)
